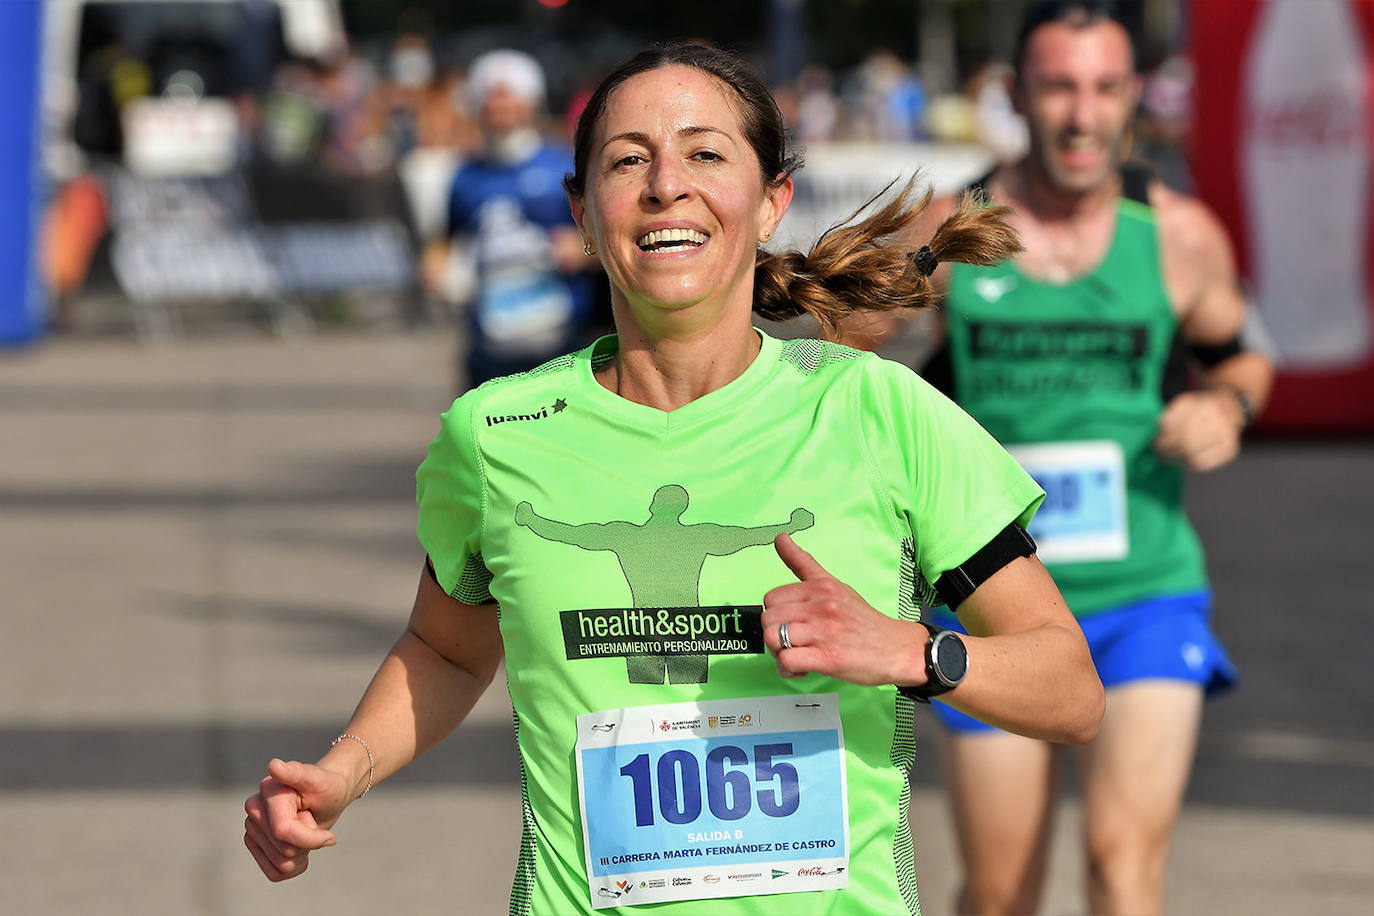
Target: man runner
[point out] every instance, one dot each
(1075, 356)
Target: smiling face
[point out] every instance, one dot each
(674, 199)
(1077, 90)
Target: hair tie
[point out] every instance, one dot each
(925, 260)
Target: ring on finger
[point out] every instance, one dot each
(783, 637)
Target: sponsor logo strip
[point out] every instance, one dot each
(670, 631)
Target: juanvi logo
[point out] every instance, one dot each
(543, 413)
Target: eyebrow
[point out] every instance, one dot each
(692, 130)
(1061, 79)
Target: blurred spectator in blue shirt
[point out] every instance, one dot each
(507, 209)
(895, 100)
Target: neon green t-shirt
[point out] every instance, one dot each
(629, 551)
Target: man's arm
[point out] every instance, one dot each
(449, 264)
(1202, 428)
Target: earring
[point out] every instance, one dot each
(588, 249)
(768, 234)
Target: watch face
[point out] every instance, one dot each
(950, 657)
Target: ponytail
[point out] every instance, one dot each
(871, 265)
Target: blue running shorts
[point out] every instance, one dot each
(1166, 637)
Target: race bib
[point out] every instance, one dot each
(724, 798)
(1083, 517)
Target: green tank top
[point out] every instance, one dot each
(1070, 378)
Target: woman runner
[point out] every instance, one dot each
(702, 550)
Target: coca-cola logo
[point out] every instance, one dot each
(813, 871)
(1324, 118)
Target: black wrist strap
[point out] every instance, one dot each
(956, 585)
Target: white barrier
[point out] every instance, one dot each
(838, 178)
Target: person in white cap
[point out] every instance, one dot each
(508, 212)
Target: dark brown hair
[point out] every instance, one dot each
(859, 265)
(760, 119)
(1077, 14)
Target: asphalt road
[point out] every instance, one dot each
(206, 547)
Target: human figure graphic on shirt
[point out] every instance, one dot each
(662, 561)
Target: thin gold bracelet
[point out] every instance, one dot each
(371, 764)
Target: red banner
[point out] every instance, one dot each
(1284, 129)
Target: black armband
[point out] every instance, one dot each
(1013, 542)
(1209, 355)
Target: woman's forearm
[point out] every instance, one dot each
(416, 698)
(1030, 670)
(425, 687)
(1040, 683)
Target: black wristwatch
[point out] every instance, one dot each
(946, 665)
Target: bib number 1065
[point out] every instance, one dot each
(730, 793)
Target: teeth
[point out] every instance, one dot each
(669, 236)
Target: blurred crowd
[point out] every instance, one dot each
(367, 113)
(400, 111)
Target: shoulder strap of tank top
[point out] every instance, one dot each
(979, 185)
(1135, 180)
(938, 370)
